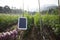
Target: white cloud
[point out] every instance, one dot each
(46, 2)
(31, 4)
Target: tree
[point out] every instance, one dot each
(7, 9)
(1, 9)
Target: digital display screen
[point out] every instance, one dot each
(22, 23)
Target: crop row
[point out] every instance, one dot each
(37, 19)
(6, 20)
(50, 20)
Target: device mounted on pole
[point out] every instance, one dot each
(22, 21)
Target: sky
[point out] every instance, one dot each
(28, 4)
